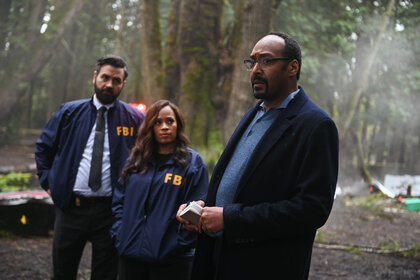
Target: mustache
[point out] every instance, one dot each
(106, 90)
(101, 91)
(259, 79)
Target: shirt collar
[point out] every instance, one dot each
(98, 104)
(285, 102)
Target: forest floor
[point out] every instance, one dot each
(366, 237)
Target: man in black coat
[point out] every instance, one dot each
(274, 184)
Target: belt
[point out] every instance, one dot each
(80, 200)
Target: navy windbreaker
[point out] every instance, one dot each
(60, 148)
(144, 211)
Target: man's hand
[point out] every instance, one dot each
(211, 220)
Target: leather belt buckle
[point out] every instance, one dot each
(77, 201)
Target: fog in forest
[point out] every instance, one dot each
(360, 64)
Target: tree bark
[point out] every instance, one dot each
(199, 38)
(254, 22)
(151, 66)
(4, 18)
(362, 158)
(171, 61)
(37, 10)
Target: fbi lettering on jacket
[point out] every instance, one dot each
(125, 131)
(175, 179)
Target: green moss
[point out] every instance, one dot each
(197, 89)
(413, 252)
(319, 236)
(376, 203)
(390, 245)
(5, 235)
(353, 249)
(13, 182)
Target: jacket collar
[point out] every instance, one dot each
(270, 138)
(289, 112)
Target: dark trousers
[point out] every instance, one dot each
(136, 270)
(85, 220)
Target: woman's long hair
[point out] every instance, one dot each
(146, 145)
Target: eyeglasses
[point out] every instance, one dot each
(263, 61)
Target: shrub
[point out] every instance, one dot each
(14, 181)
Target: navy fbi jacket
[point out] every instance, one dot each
(59, 149)
(144, 211)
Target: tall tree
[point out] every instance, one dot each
(199, 37)
(151, 64)
(171, 56)
(362, 83)
(4, 19)
(253, 21)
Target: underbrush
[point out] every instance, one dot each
(378, 203)
(15, 181)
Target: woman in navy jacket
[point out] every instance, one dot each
(161, 174)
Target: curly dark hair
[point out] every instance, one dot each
(146, 145)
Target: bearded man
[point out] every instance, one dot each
(79, 156)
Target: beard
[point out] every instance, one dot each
(106, 95)
(260, 94)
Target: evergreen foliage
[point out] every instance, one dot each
(199, 45)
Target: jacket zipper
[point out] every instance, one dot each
(146, 211)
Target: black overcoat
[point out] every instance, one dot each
(285, 194)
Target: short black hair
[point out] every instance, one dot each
(291, 49)
(113, 60)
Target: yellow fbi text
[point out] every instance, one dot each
(176, 179)
(125, 131)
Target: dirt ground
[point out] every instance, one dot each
(367, 230)
(30, 258)
(356, 243)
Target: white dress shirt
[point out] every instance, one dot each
(81, 186)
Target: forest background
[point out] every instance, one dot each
(360, 64)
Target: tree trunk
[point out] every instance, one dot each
(151, 66)
(37, 10)
(64, 79)
(362, 83)
(4, 18)
(199, 38)
(360, 134)
(171, 61)
(78, 48)
(254, 22)
(362, 158)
